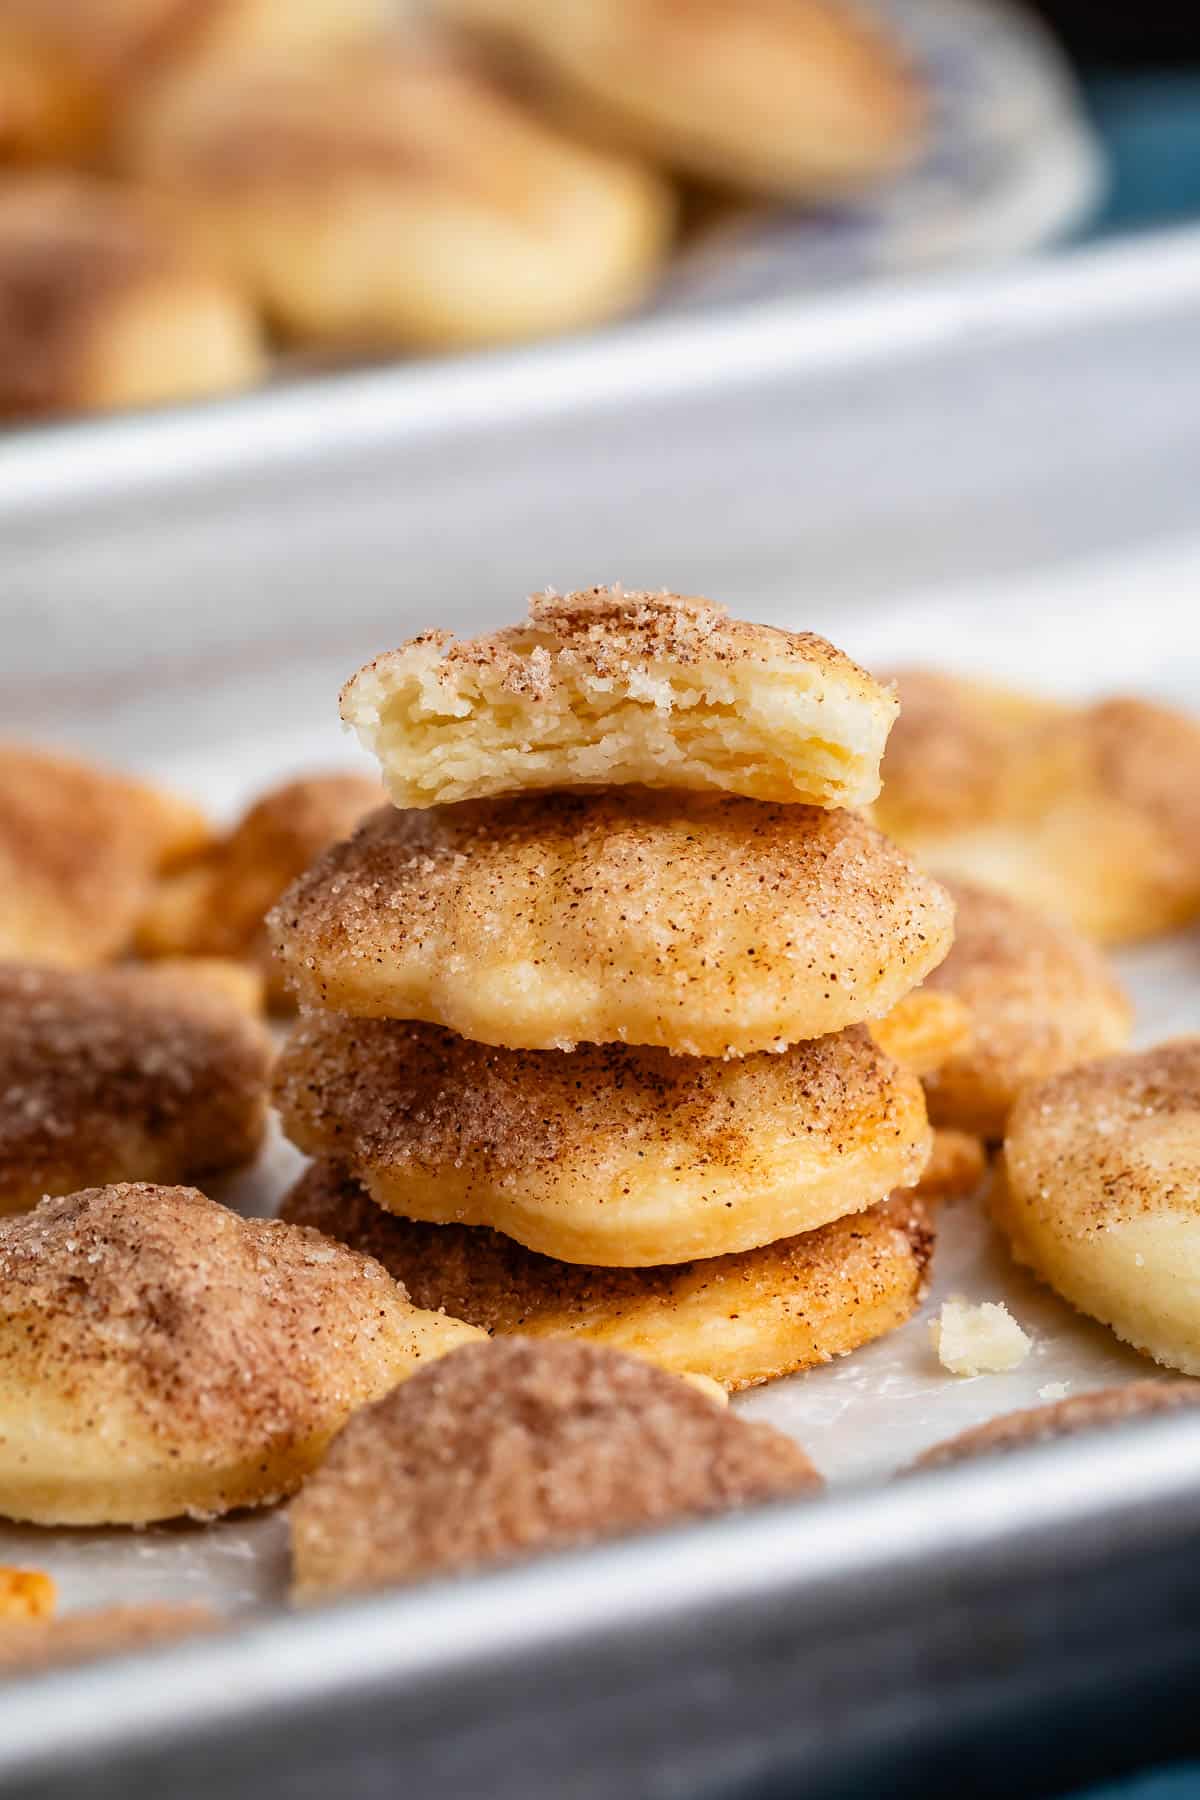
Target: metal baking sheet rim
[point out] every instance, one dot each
(802, 1578)
(348, 415)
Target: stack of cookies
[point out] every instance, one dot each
(596, 1011)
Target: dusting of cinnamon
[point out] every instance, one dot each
(114, 1074)
(512, 1448)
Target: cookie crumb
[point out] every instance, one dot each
(978, 1340)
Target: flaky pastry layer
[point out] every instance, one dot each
(608, 687)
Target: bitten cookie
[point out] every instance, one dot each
(607, 688)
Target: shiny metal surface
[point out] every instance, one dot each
(846, 1644)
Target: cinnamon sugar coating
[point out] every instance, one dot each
(609, 1155)
(390, 194)
(1101, 1195)
(804, 101)
(1090, 814)
(160, 1355)
(79, 847)
(608, 687)
(515, 1448)
(1039, 999)
(739, 1319)
(215, 903)
(33, 1647)
(1063, 1418)
(119, 1075)
(708, 924)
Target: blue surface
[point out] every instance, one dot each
(1150, 125)
(1182, 1783)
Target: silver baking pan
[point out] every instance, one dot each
(996, 471)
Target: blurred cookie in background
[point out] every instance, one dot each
(103, 304)
(803, 99)
(391, 196)
(80, 847)
(67, 67)
(1089, 814)
(213, 905)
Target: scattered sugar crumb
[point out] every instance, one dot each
(1054, 1390)
(978, 1340)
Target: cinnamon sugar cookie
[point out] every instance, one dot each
(160, 1355)
(391, 195)
(708, 924)
(1038, 997)
(1090, 814)
(611, 1155)
(105, 304)
(739, 1319)
(215, 904)
(1102, 1194)
(806, 99)
(35, 1646)
(606, 687)
(514, 1448)
(118, 1075)
(67, 67)
(1062, 1418)
(79, 847)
